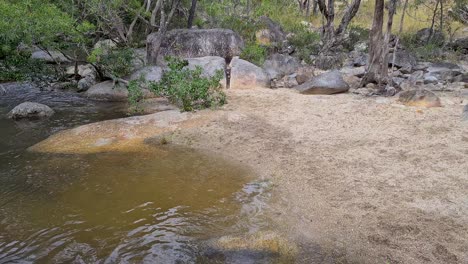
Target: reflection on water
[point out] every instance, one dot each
(152, 207)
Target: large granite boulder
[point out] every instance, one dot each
(49, 56)
(427, 35)
(107, 91)
(331, 82)
(192, 43)
(270, 32)
(245, 75)
(404, 60)
(442, 72)
(419, 97)
(461, 44)
(148, 73)
(30, 110)
(209, 64)
(279, 65)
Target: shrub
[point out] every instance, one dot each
(187, 88)
(20, 67)
(113, 62)
(254, 53)
(305, 43)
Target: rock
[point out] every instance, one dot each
(287, 81)
(30, 110)
(360, 59)
(192, 43)
(209, 64)
(443, 71)
(461, 45)
(83, 70)
(148, 73)
(421, 66)
(85, 83)
(50, 57)
(106, 91)
(260, 247)
(362, 91)
(270, 33)
(326, 83)
(302, 78)
(328, 62)
(279, 65)
(139, 59)
(245, 75)
(105, 45)
(423, 35)
(465, 113)
(416, 77)
(428, 78)
(361, 46)
(419, 97)
(354, 71)
(404, 60)
(353, 81)
(462, 78)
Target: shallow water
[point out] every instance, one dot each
(153, 207)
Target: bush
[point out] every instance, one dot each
(356, 34)
(113, 62)
(305, 43)
(254, 53)
(187, 88)
(20, 67)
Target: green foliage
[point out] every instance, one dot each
(254, 53)
(20, 67)
(115, 62)
(135, 93)
(188, 88)
(306, 43)
(34, 22)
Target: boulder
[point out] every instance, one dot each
(148, 73)
(209, 64)
(139, 59)
(461, 44)
(287, 81)
(326, 83)
(419, 97)
(279, 65)
(83, 70)
(107, 91)
(85, 83)
(404, 60)
(465, 113)
(245, 75)
(354, 71)
(270, 33)
(30, 110)
(49, 57)
(423, 36)
(192, 43)
(105, 45)
(443, 72)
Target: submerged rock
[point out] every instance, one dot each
(420, 97)
(326, 83)
(245, 75)
(261, 247)
(192, 43)
(30, 110)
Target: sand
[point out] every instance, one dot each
(356, 179)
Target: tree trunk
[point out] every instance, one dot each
(376, 42)
(193, 8)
